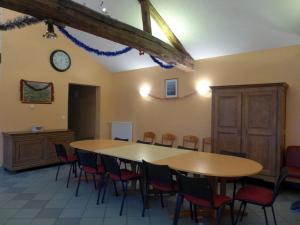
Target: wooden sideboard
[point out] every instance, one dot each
(250, 119)
(25, 150)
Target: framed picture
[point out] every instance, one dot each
(171, 88)
(34, 92)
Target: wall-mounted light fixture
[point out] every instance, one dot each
(50, 34)
(145, 90)
(203, 88)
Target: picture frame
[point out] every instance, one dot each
(171, 88)
(35, 92)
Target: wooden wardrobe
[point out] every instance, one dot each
(251, 119)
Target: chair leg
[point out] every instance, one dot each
(104, 188)
(142, 195)
(238, 214)
(115, 187)
(86, 178)
(124, 186)
(75, 169)
(161, 199)
(94, 180)
(100, 185)
(274, 217)
(266, 217)
(70, 170)
(179, 202)
(191, 211)
(232, 213)
(78, 184)
(145, 199)
(243, 213)
(58, 168)
(219, 215)
(196, 214)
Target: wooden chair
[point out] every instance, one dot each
(168, 139)
(206, 141)
(190, 142)
(149, 136)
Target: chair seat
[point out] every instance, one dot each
(219, 200)
(125, 175)
(69, 159)
(164, 186)
(91, 170)
(294, 172)
(256, 195)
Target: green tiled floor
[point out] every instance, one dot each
(34, 198)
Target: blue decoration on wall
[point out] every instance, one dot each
(90, 49)
(161, 64)
(19, 22)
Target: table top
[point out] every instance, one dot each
(211, 164)
(184, 160)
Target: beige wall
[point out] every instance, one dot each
(193, 115)
(25, 55)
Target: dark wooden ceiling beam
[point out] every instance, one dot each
(166, 29)
(146, 15)
(82, 18)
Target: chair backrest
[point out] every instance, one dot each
(196, 187)
(121, 139)
(87, 159)
(293, 156)
(236, 154)
(206, 141)
(157, 173)
(163, 145)
(61, 151)
(168, 139)
(149, 135)
(111, 165)
(280, 179)
(144, 142)
(190, 140)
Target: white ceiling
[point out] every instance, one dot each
(207, 28)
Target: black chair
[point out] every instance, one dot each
(186, 148)
(144, 142)
(64, 158)
(160, 178)
(163, 145)
(199, 192)
(260, 196)
(120, 175)
(88, 163)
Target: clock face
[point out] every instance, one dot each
(60, 60)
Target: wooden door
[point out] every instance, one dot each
(227, 118)
(259, 122)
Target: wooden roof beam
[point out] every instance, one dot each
(83, 18)
(146, 15)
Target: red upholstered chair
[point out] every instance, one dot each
(199, 192)
(160, 178)
(293, 161)
(64, 158)
(260, 196)
(88, 163)
(120, 175)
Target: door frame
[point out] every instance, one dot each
(98, 112)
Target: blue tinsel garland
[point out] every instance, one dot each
(19, 22)
(90, 49)
(162, 65)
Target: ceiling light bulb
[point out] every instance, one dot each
(104, 10)
(145, 90)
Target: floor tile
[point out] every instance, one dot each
(27, 213)
(91, 221)
(67, 221)
(43, 222)
(15, 204)
(35, 204)
(18, 222)
(120, 220)
(72, 213)
(24, 196)
(49, 213)
(94, 213)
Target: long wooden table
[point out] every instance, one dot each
(209, 164)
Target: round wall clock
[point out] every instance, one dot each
(60, 60)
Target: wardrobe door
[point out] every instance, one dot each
(259, 127)
(226, 124)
